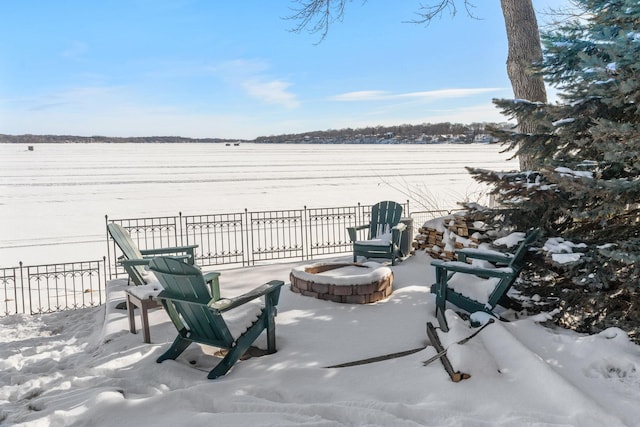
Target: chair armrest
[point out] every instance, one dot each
(211, 278)
(352, 231)
(396, 233)
(401, 226)
(483, 254)
(463, 267)
(189, 249)
(145, 261)
(229, 303)
(210, 275)
(128, 262)
(272, 287)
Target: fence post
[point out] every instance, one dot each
(106, 231)
(22, 288)
(249, 234)
(104, 275)
(28, 288)
(181, 228)
(303, 227)
(307, 232)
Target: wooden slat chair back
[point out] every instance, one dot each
(499, 279)
(130, 252)
(384, 216)
(135, 260)
(191, 297)
(384, 233)
(199, 317)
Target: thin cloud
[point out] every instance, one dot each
(271, 92)
(251, 75)
(379, 95)
(363, 95)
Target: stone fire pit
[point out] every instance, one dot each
(351, 283)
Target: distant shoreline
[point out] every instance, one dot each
(405, 134)
(31, 140)
(70, 139)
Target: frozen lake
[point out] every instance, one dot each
(53, 200)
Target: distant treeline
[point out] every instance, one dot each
(400, 133)
(39, 139)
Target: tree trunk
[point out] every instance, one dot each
(524, 50)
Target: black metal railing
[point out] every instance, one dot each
(37, 289)
(242, 238)
(220, 237)
(246, 238)
(12, 293)
(328, 228)
(275, 235)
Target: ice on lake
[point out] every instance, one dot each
(53, 200)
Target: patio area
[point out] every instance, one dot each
(84, 367)
(301, 319)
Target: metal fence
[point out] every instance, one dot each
(241, 238)
(247, 238)
(38, 289)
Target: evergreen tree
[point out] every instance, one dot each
(588, 145)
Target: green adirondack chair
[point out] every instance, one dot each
(134, 260)
(385, 233)
(220, 323)
(474, 288)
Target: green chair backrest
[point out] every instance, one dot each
(516, 264)
(187, 298)
(129, 250)
(384, 216)
(124, 241)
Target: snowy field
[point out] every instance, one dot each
(53, 200)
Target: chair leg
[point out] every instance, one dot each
(233, 355)
(227, 362)
(441, 297)
(442, 321)
(179, 345)
(271, 333)
(132, 318)
(241, 346)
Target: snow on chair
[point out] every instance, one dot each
(478, 288)
(385, 233)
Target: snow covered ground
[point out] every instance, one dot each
(83, 367)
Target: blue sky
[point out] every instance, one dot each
(233, 69)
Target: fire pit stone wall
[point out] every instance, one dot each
(374, 284)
